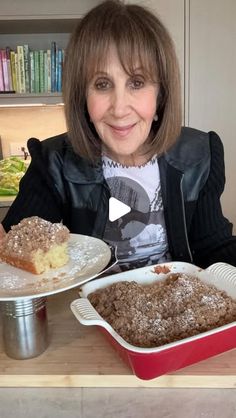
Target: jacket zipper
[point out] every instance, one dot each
(184, 218)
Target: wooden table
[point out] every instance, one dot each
(79, 356)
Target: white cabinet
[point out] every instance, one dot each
(212, 81)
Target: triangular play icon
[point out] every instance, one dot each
(117, 209)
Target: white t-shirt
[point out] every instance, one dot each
(140, 236)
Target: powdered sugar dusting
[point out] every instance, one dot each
(87, 257)
(11, 281)
(213, 301)
(81, 253)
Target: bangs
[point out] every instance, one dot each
(134, 52)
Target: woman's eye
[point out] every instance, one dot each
(102, 84)
(136, 83)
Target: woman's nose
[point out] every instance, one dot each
(120, 102)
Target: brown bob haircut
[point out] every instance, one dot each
(138, 36)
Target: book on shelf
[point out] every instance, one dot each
(21, 69)
(26, 68)
(8, 58)
(49, 76)
(5, 75)
(41, 71)
(5, 71)
(13, 70)
(36, 72)
(53, 66)
(45, 71)
(59, 69)
(32, 72)
(2, 89)
(17, 73)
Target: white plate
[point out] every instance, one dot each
(88, 257)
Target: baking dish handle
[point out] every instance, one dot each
(86, 314)
(223, 271)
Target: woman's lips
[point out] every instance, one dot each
(122, 130)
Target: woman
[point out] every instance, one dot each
(123, 110)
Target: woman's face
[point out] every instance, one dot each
(122, 109)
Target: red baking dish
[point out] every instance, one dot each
(148, 363)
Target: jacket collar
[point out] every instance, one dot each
(191, 149)
(79, 170)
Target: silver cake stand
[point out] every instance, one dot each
(23, 296)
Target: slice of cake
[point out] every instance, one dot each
(36, 245)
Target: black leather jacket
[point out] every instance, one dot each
(59, 185)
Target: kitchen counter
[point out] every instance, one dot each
(6, 201)
(80, 356)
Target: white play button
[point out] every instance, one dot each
(117, 209)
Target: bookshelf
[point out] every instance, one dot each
(38, 24)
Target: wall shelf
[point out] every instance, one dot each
(37, 24)
(15, 99)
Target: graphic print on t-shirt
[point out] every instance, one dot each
(140, 234)
(133, 195)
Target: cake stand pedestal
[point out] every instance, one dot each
(25, 327)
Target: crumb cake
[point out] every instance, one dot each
(166, 311)
(35, 245)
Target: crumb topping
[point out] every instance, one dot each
(165, 311)
(31, 234)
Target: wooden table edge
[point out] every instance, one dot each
(100, 381)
